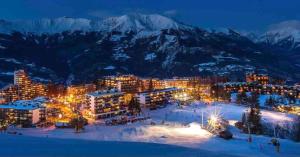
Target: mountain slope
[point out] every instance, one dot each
(285, 35)
(145, 45)
(125, 23)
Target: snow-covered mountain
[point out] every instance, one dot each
(125, 23)
(145, 45)
(284, 35)
(139, 22)
(285, 29)
(45, 25)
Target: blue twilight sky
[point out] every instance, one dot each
(237, 14)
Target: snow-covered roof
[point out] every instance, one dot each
(231, 83)
(105, 93)
(20, 105)
(161, 90)
(25, 104)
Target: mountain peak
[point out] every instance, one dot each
(130, 22)
(141, 22)
(285, 29)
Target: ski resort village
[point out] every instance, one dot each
(193, 115)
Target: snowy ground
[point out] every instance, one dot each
(25, 146)
(182, 127)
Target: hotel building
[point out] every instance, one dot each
(257, 78)
(23, 88)
(105, 103)
(9, 94)
(146, 84)
(24, 113)
(124, 83)
(157, 98)
(81, 89)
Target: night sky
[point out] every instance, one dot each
(238, 14)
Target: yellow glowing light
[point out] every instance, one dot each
(213, 118)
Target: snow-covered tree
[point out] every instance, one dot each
(291, 99)
(254, 116)
(78, 123)
(271, 102)
(241, 98)
(297, 129)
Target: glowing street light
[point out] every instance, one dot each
(214, 120)
(60, 116)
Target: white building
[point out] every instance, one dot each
(24, 113)
(105, 103)
(156, 98)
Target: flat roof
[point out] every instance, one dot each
(25, 104)
(104, 93)
(161, 90)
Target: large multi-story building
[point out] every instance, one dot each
(196, 87)
(39, 89)
(283, 90)
(76, 94)
(178, 82)
(257, 78)
(105, 103)
(124, 83)
(23, 88)
(55, 90)
(81, 89)
(156, 98)
(9, 93)
(24, 113)
(148, 84)
(24, 84)
(127, 83)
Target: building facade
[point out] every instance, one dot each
(156, 98)
(105, 103)
(23, 88)
(257, 78)
(23, 113)
(9, 94)
(148, 84)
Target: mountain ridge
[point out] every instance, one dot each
(124, 23)
(148, 49)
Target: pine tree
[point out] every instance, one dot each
(151, 88)
(226, 95)
(134, 106)
(241, 97)
(254, 114)
(244, 118)
(297, 129)
(271, 102)
(78, 123)
(291, 99)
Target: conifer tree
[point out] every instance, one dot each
(297, 129)
(254, 114)
(134, 106)
(241, 97)
(151, 88)
(271, 102)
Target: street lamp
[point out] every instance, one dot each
(60, 116)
